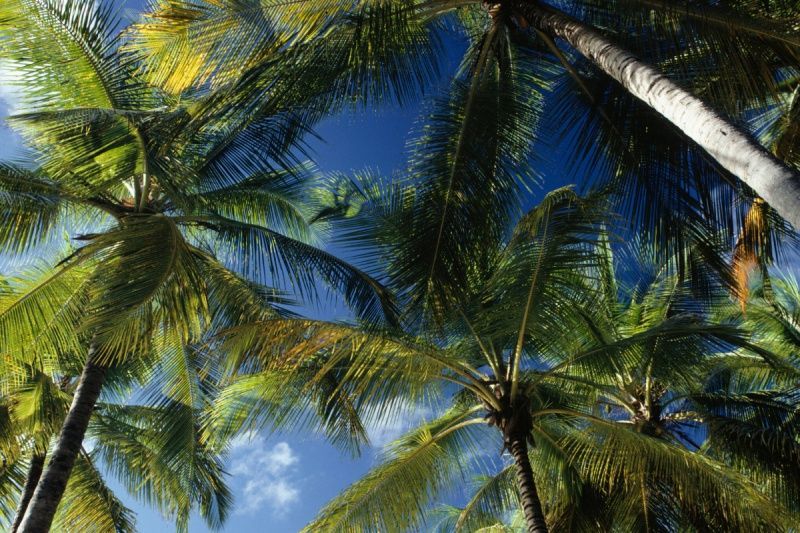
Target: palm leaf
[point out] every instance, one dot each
(89, 505)
(415, 470)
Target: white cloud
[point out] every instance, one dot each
(278, 494)
(265, 474)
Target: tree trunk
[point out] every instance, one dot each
(734, 149)
(528, 495)
(53, 482)
(31, 480)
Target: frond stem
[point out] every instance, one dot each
(489, 358)
(462, 134)
(516, 356)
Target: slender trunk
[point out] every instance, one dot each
(734, 149)
(31, 480)
(53, 482)
(528, 495)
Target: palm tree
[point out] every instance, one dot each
(519, 356)
(158, 460)
(165, 205)
(551, 244)
(696, 62)
(735, 408)
(35, 406)
(158, 397)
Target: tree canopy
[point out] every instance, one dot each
(615, 355)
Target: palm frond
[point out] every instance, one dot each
(363, 48)
(262, 254)
(12, 478)
(468, 166)
(416, 469)
(757, 431)
(146, 276)
(91, 151)
(41, 311)
(90, 505)
(327, 377)
(696, 484)
(276, 201)
(64, 53)
(155, 452)
(494, 496)
(729, 52)
(31, 208)
(276, 399)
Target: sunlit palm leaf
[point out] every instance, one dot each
(89, 505)
(416, 468)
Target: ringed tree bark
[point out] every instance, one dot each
(733, 148)
(31, 480)
(528, 495)
(53, 482)
(514, 420)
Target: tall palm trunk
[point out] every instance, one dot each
(53, 482)
(528, 495)
(31, 480)
(734, 149)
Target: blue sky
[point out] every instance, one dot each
(280, 481)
